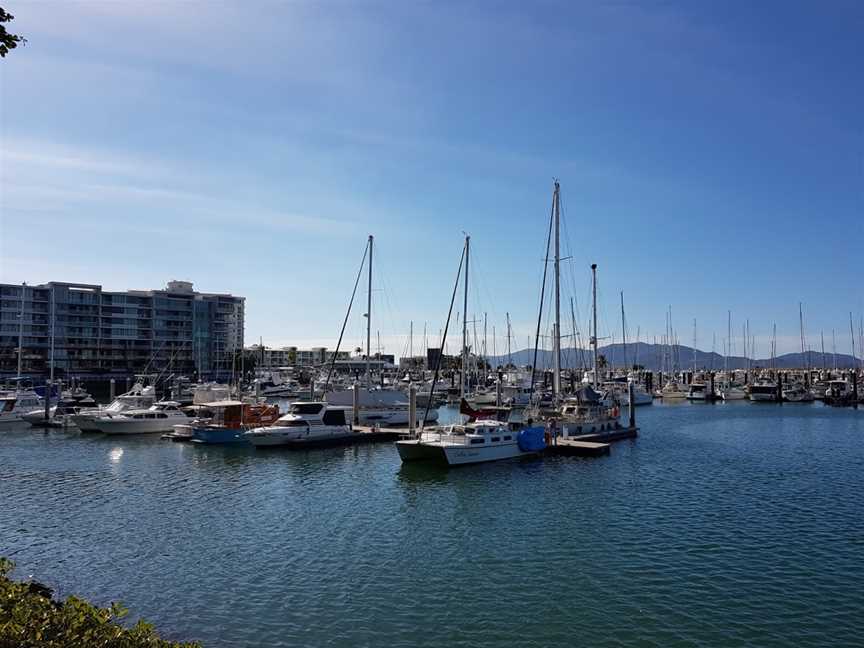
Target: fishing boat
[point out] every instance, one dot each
(230, 420)
(306, 424)
(59, 415)
(159, 417)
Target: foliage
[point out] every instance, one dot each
(30, 617)
(8, 41)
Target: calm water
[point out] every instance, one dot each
(732, 524)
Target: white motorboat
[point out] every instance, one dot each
(306, 424)
(379, 406)
(698, 391)
(764, 391)
(672, 391)
(798, 393)
(733, 392)
(477, 442)
(159, 417)
(137, 398)
(14, 405)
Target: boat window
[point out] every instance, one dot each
(8, 405)
(161, 415)
(508, 438)
(306, 408)
(334, 417)
(477, 441)
(295, 424)
(496, 439)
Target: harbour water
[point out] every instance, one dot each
(731, 524)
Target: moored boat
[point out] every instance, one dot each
(230, 419)
(306, 424)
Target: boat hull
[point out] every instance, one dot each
(457, 454)
(218, 436)
(274, 436)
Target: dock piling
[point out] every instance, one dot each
(112, 388)
(355, 402)
(631, 395)
(412, 408)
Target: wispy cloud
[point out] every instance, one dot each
(38, 176)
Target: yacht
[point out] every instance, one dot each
(306, 424)
(620, 390)
(14, 405)
(731, 391)
(59, 415)
(228, 422)
(699, 391)
(137, 398)
(476, 442)
(672, 391)
(764, 391)
(798, 393)
(839, 392)
(159, 417)
(586, 413)
(379, 406)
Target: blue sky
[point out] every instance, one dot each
(711, 157)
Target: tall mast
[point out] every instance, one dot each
(623, 331)
(694, 345)
(556, 333)
(369, 322)
(851, 331)
(728, 344)
(411, 341)
(21, 333)
(834, 348)
(509, 353)
(465, 318)
(53, 333)
(485, 350)
(822, 336)
(801, 327)
(594, 317)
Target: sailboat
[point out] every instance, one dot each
(477, 441)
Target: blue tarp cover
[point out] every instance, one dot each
(532, 439)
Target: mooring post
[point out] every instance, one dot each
(355, 402)
(780, 391)
(855, 386)
(412, 408)
(112, 388)
(632, 401)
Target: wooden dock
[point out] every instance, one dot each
(590, 445)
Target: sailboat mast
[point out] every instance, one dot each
(21, 333)
(53, 333)
(594, 318)
(465, 318)
(623, 331)
(369, 321)
(411, 340)
(822, 336)
(556, 334)
(728, 343)
(851, 331)
(694, 345)
(509, 352)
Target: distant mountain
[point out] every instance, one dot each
(650, 356)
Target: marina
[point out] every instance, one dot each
(145, 520)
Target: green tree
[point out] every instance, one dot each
(8, 41)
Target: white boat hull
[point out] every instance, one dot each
(299, 437)
(456, 454)
(126, 426)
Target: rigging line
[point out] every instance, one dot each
(347, 315)
(443, 341)
(542, 296)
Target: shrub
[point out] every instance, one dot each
(30, 617)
